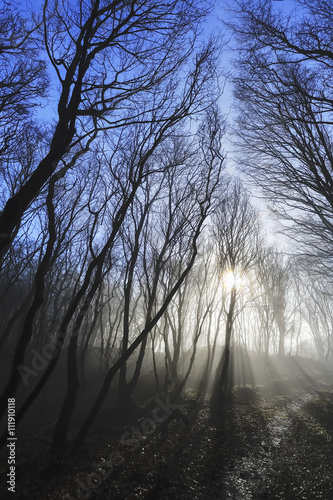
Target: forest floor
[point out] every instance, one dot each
(272, 441)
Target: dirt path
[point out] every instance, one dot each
(257, 445)
(254, 474)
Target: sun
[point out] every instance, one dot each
(231, 280)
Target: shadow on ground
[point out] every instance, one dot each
(267, 435)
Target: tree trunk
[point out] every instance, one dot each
(222, 370)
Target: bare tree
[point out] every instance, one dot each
(272, 274)
(133, 186)
(284, 90)
(121, 103)
(114, 62)
(201, 188)
(317, 313)
(23, 81)
(236, 235)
